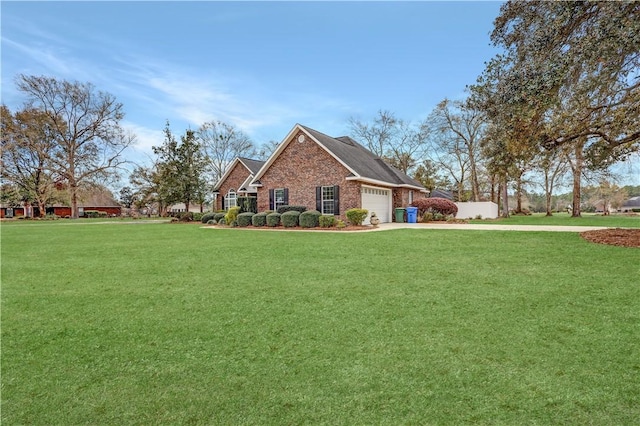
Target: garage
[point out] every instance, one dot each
(377, 200)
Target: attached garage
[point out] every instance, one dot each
(377, 200)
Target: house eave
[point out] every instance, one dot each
(387, 184)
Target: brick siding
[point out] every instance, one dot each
(301, 167)
(233, 181)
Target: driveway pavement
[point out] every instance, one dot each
(487, 227)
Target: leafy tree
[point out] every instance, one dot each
(27, 146)
(575, 64)
(147, 188)
(181, 168)
(222, 143)
(127, 197)
(85, 126)
(428, 175)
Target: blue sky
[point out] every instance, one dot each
(262, 66)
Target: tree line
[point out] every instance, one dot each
(560, 104)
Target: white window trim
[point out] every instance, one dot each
(323, 199)
(228, 198)
(275, 198)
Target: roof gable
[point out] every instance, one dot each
(252, 166)
(362, 163)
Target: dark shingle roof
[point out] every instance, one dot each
(362, 161)
(253, 165)
(632, 202)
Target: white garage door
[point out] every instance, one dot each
(377, 200)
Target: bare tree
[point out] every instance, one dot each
(395, 140)
(85, 125)
(458, 130)
(222, 143)
(553, 166)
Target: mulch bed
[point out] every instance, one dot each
(614, 237)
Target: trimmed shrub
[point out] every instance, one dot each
(310, 219)
(185, 217)
(211, 222)
(327, 221)
(435, 205)
(340, 224)
(284, 209)
(273, 219)
(290, 219)
(207, 217)
(218, 217)
(356, 216)
(259, 219)
(244, 219)
(93, 214)
(232, 214)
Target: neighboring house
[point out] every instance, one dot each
(61, 211)
(631, 204)
(235, 182)
(332, 175)
(181, 208)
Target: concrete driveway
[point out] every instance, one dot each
(487, 227)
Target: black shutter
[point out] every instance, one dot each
(336, 200)
(222, 202)
(286, 196)
(319, 198)
(271, 204)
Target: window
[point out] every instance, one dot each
(328, 200)
(410, 197)
(231, 200)
(279, 198)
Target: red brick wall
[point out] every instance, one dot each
(238, 175)
(401, 196)
(300, 168)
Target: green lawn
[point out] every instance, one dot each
(175, 324)
(564, 219)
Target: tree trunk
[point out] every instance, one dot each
(519, 194)
(505, 198)
(576, 168)
(475, 186)
(547, 197)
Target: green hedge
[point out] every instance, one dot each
(244, 219)
(232, 215)
(284, 209)
(207, 217)
(259, 219)
(326, 221)
(273, 219)
(310, 219)
(218, 217)
(356, 216)
(289, 219)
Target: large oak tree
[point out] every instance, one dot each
(85, 125)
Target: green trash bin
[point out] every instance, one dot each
(400, 215)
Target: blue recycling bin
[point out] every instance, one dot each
(412, 214)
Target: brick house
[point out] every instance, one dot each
(235, 182)
(332, 175)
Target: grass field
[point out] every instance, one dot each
(175, 324)
(564, 219)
